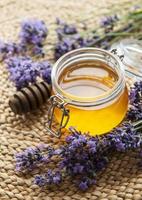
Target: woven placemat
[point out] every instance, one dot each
(122, 179)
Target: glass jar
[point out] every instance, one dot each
(131, 49)
(89, 92)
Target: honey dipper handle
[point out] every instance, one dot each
(30, 98)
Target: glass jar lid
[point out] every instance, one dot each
(132, 51)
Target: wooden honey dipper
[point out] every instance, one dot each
(30, 98)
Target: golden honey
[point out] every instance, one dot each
(92, 84)
(92, 81)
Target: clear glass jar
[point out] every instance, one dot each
(89, 91)
(131, 49)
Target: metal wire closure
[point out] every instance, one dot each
(57, 102)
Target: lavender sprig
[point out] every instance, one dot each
(108, 23)
(65, 29)
(135, 112)
(33, 32)
(9, 49)
(32, 36)
(33, 157)
(23, 71)
(45, 70)
(69, 38)
(70, 43)
(82, 157)
(49, 178)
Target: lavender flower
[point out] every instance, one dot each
(124, 138)
(24, 71)
(48, 178)
(8, 49)
(33, 32)
(71, 43)
(33, 157)
(65, 29)
(83, 185)
(69, 39)
(136, 93)
(108, 22)
(135, 96)
(135, 113)
(81, 157)
(38, 51)
(45, 70)
(63, 47)
(79, 160)
(32, 36)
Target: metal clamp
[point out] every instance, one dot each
(57, 103)
(114, 51)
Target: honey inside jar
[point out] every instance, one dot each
(92, 80)
(87, 79)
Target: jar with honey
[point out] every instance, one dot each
(88, 92)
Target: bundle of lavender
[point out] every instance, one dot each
(111, 29)
(32, 38)
(18, 56)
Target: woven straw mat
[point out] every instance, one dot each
(122, 179)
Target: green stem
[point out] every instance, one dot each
(137, 123)
(124, 34)
(138, 128)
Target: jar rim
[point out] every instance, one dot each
(114, 92)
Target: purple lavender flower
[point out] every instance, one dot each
(124, 138)
(136, 93)
(108, 22)
(33, 31)
(38, 51)
(57, 178)
(135, 113)
(24, 71)
(135, 96)
(8, 49)
(82, 157)
(63, 47)
(40, 181)
(69, 39)
(70, 29)
(83, 185)
(65, 29)
(71, 43)
(33, 157)
(49, 178)
(80, 160)
(45, 70)
(78, 168)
